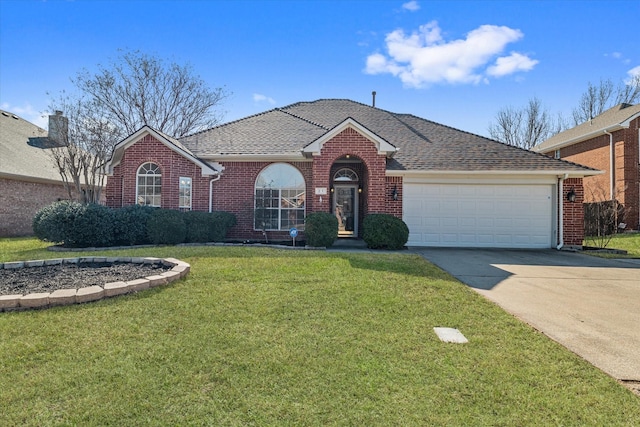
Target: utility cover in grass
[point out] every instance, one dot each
(450, 335)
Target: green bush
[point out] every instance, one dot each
(74, 224)
(384, 231)
(221, 223)
(93, 226)
(130, 225)
(51, 223)
(166, 227)
(208, 226)
(320, 229)
(198, 226)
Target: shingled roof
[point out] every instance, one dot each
(613, 119)
(20, 160)
(422, 145)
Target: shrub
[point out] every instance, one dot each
(93, 226)
(321, 229)
(130, 225)
(51, 223)
(75, 225)
(221, 223)
(384, 231)
(166, 227)
(199, 227)
(208, 226)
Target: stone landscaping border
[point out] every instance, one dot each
(90, 293)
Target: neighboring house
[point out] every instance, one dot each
(452, 188)
(608, 142)
(28, 178)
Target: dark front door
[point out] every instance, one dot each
(345, 207)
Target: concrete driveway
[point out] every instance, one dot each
(590, 305)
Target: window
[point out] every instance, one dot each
(185, 193)
(345, 175)
(279, 198)
(149, 185)
(556, 154)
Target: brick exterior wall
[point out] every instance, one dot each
(573, 213)
(121, 187)
(234, 191)
(19, 202)
(595, 153)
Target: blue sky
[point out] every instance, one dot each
(453, 62)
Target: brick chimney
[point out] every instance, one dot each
(59, 128)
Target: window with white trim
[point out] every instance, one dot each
(149, 185)
(279, 198)
(185, 193)
(556, 154)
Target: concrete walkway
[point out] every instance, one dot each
(589, 305)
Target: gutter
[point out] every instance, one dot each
(211, 191)
(612, 186)
(560, 210)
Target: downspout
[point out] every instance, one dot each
(211, 191)
(612, 186)
(560, 210)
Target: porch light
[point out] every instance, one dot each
(394, 193)
(331, 189)
(359, 189)
(571, 195)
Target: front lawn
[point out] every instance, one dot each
(629, 242)
(258, 336)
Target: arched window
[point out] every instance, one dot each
(149, 185)
(345, 175)
(279, 198)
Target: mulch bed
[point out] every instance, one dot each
(72, 276)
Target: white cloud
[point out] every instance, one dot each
(633, 73)
(411, 6)
(513, 63)
(424, 57)
(258, 97)
(28, 113)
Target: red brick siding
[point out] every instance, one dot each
(121, 187)
(394, 207)
(234, 192)
(596, 154)
(19, 202)
(350, 142)
(573, 213)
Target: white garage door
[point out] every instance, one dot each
(492, 216)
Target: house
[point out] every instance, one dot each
(29, 180)
(452, 188)
(608, 142)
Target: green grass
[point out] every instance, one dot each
(257, 336)
(629, 242)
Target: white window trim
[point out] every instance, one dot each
(279, 208)
(147, 175)
(180, 187)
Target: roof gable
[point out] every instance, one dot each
(171, 143)
(615, 118)
(383, 146)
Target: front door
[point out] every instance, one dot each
(345, 208)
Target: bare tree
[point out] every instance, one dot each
(82, 147)
(599, 98)
(603, 216)
(137, 89)
(524, 127)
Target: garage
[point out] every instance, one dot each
(479, 215)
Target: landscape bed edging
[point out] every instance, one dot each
(90, 293)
